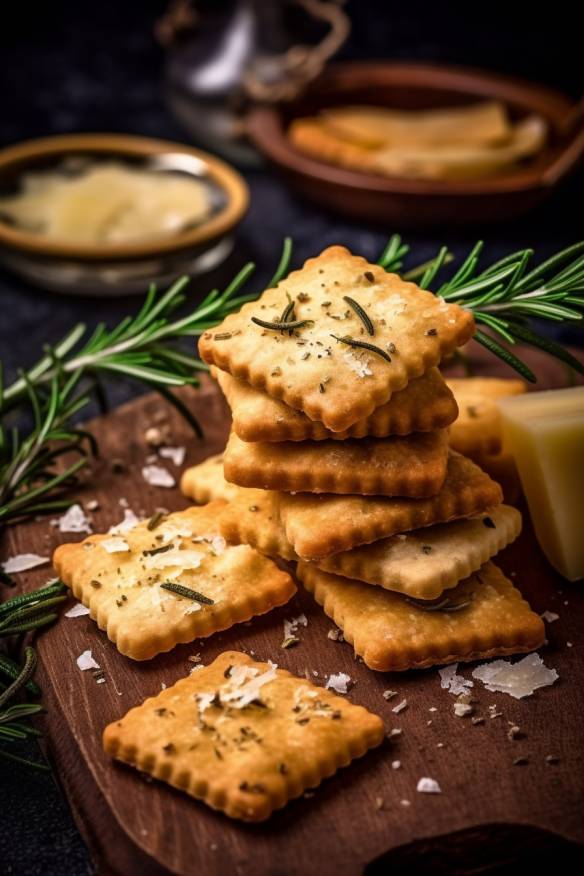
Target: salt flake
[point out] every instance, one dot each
(452, 682)
(339, 682)
(77, 611)
(290, 626)
(22, 563)
(428, 786)
(176, 454)
(157, 476)
(516, 679)
(359, 365)
(86, 661)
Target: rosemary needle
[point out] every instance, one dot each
(281, 326)
(351, 342)
(361, 314)
(180, 590)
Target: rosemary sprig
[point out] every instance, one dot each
(364, 345)
(504, 295)
(361, 314)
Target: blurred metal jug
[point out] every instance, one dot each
(224, 55)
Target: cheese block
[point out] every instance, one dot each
(545, 432)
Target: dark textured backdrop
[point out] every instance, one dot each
(70, 66)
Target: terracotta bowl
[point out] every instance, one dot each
(121, 267)
(411, 203)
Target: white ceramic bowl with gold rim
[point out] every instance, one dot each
(119, 268)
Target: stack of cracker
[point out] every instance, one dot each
(339, 461)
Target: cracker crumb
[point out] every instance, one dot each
(461, 710)
(335, 635)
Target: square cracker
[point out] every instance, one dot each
(123, 592)
(426, 562)
(317, 526)
(205, 482)
(477, 431)
(253, 517)
(310, 370)
(244, 737)
(424, 405)
(413, 465)
(391, 633)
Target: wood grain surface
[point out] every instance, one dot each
(491, 810)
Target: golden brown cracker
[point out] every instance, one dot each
(484, 616)
(122, 580)
(205, 482)
(317, 526)
(413, 465)
(253, 518)
(242, 736)
(424, 563)
(308, 367)
(478, 427)
(424, 405)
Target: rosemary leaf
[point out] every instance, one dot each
(361, 314)
(181, 590)
(364, 345)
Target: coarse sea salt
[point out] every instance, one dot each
(77, 611)
(157, 476)
(516, 679)
(428, 786)
(73, 520)
(85, 661)
(22, 563)
(339, 682)
(452, 682)
(550, 616)
(176, 454)
(358, 365)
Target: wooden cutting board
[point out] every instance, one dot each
(491, 811)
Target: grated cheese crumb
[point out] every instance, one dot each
(157, 476)
(428, 786)
(339, 682)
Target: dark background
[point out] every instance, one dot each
(74, 66)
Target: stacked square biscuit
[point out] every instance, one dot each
(339, 460)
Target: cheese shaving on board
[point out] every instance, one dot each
(77, 611)
(428, 786)
(518, 680)
(22, 563)
(339, 682)
(452, 682)
(157, 476)
(73, 520)
(85, 661)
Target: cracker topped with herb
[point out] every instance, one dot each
(424, 405)
(170, 580)
(317, 526)
(484, 616)
(337, 338)
(410, 465)
(242, 736)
